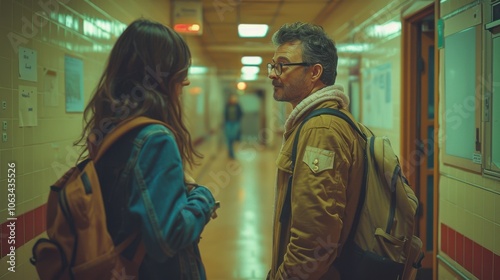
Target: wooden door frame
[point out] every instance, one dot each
(409, 110)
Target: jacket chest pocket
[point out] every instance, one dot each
(318, 159)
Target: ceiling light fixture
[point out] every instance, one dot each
(251, 70)
(252, 30)
(251, 60)
(197, 70)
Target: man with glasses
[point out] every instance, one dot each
(315, 207)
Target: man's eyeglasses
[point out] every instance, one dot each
(278, 67)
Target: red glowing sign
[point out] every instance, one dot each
(187, 28)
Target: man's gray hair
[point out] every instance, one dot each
(317, 46)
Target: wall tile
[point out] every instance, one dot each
(452, 246)
(20, 238)
(39, 225)
(468, 254)
(478, 201)
(489, 205)
(487, 270)
(5, 158)
(461, 223)
(17, 16)
(444, 238)
(6, 95)
(4, 238)
(489, 235)
(6, 50)
(496, 267)
(496, 248)
(477, 259)
(29, 225)
(18, 156)
(17, 132)
(5, 73)
(459, 254)
(496, 203)
(29, 137)
(3, 214)
(460, 190)
(452, 192)
(469, 201)
(478, 229)
(6, 14)
(28, 159)
(3, 194)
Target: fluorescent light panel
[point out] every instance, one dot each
(197, 70)
(252, 30)
(249, 77)
(250, 70)
(251, 60)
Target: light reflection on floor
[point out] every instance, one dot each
(237, 245)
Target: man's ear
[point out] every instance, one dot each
(317, 70)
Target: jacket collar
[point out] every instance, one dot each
(334, 92)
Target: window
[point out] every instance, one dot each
(491, 100)
(461, 118)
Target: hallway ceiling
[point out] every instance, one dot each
(220, 38)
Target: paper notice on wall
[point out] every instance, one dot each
(73, 83)
(50, 89)
(377, 97)
(27, 64)
(28, 111)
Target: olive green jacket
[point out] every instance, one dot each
(325, 190)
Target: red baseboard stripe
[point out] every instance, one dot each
(479, 261)
(16, 233)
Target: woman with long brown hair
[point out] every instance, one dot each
(142, 175)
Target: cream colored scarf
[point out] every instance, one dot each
(335, 92)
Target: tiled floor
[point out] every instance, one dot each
(237, 244)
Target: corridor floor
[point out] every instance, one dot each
(237, 244)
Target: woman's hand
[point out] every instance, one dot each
(189, 181)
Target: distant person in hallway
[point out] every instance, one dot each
(142, 175)
(232, 123)
(312, 224)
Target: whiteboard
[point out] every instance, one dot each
(460, 85)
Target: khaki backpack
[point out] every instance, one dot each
(381, 242)
(78, 244)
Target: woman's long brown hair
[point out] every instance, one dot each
(143, 77)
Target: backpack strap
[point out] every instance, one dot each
(121, 130)
(287, 203)
(140, 251)
(362, 194)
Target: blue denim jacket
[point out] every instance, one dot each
(146, 176)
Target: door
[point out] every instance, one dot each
(418, 121)
(425, 134)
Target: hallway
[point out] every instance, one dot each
(237, 244)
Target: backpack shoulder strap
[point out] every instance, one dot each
(322, 111)
(317, 112)
(121, 130)
(329, 111)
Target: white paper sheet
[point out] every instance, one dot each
(28, 109)
(28, 64)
